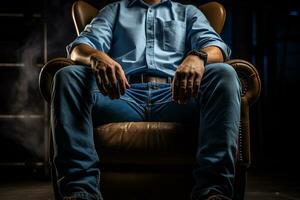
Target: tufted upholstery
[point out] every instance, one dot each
(153, 160)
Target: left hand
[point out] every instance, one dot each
(187, 79)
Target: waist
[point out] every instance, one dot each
(145, 78)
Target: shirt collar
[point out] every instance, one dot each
(131, 3)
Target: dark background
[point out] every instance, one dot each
(265, 33)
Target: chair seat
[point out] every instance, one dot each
(161, 143)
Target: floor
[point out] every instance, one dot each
(272, 185)
(261, 185)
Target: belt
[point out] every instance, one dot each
(145, 78)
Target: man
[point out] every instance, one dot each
(146, 60)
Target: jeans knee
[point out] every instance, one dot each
(226, 77)
(66, 75)
(68, 72)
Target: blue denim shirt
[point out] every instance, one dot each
(146, 38)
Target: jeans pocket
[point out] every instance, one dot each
(174, 36)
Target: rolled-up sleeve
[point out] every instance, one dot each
(201, 34)
(97, 34)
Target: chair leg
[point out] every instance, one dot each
(240, 182)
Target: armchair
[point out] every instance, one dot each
(136, 156)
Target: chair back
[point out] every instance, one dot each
(215, 14)
(83, 13)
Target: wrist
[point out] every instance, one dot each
(195, 59)
(194, 62)
(96, 56)
(202, 55)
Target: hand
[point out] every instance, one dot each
(187, 79)
(109, 74)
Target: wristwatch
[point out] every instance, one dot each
(201, 54)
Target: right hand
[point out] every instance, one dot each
(110, 77)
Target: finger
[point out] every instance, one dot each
(105, 82)
(122, 84)
(197, 83)
(182, 87)
(122, 80)
(94, 65)
(113, 82)
(190, 86)
(100, 84)
(126, 83)
(125, 79)
(175, 86)
(121, 76)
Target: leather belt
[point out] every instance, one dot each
(145, 78)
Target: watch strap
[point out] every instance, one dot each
(200, 53)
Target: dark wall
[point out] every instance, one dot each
(267, 34)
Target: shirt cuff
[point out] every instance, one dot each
(77, 41)
(226, 51)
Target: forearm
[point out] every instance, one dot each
(82, 53)
(214, 54)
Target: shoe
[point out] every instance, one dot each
(217, 197)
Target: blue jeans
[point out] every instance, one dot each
(77, 106)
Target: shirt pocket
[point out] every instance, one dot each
(174, 33)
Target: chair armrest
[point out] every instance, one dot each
(249, 77)
(47, 73)
(251, 87)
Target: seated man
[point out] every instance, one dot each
(146, 60)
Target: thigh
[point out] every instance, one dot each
(216, 75)
(103, 109)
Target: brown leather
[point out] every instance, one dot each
(83, 13)
(162, 143)
(47, 74)
(244, 153)
(215, 14)
(159, 143)
(249, 77)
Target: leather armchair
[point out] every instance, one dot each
(154, 160)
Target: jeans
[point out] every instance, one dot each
(77, 106)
